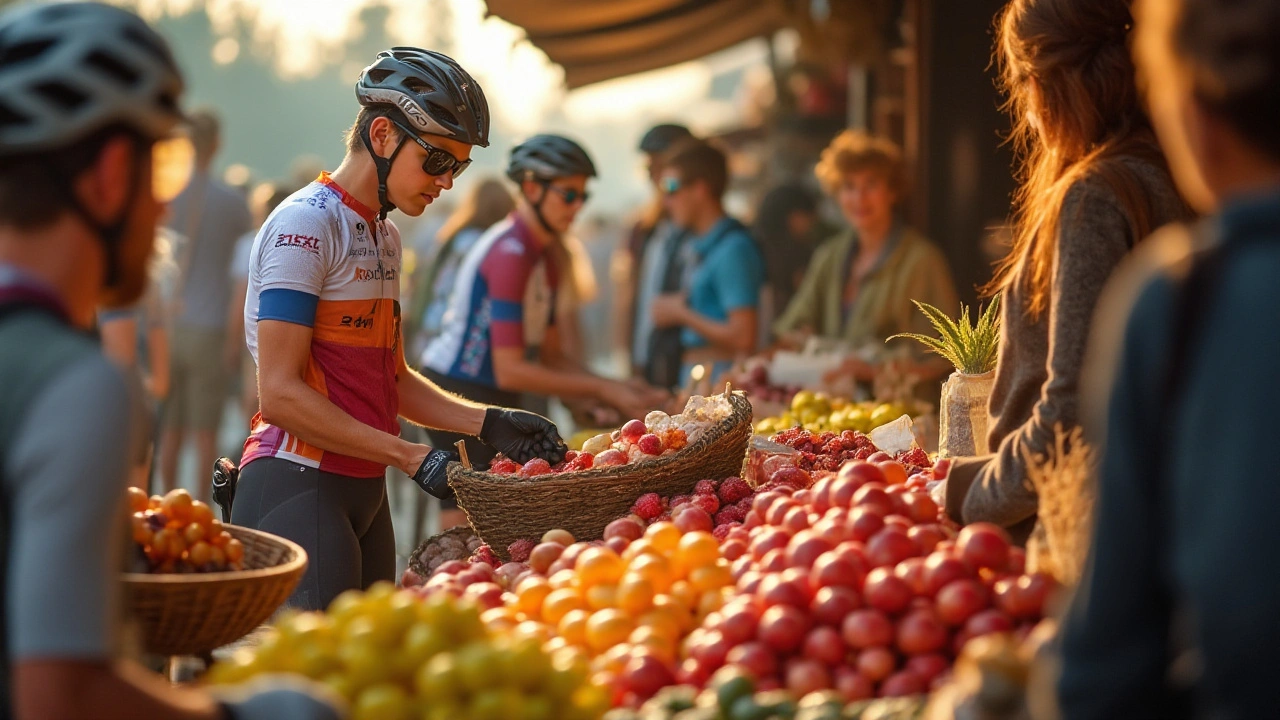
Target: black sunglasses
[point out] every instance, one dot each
(570, 195)
(437, 162)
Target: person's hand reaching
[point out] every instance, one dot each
(522, 435)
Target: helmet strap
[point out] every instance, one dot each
(383, 166)
(537, 207)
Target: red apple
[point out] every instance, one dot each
(749, 582)
(940, 569)
(838, 569)
(775, 591)
(831, 604)
(864, 522)
(921, 632)
(754, 657)
(852, 685)
(692, 672)
(806, 547)
(796, 519)
(739, 622)
(920, 507)
(769, 538)
(711, 649)
(911, 571)
(733, 549)
(762, 502)
(889, 547)
(832, 529)
(625, 528)
(884, 591)
(690, 518)
(824, 644)
(876, 663)
(926, 536)
(959, 600)
(842, 491)
(646, 674)
(805, 676)
(928, 666)
(487, 595)
(879, 456)
(862, 472)
(902, 684)
(988, 622)
(900, 522)
(984, 545)
(821, 491)
(1017, 560)
(866, 628)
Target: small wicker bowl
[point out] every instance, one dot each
(195, 613)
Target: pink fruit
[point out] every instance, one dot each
(876, 663)
(792, 476)
(866, 628)
(535, 467)
(984, 545)
(831, 605)
(754, 657)
(805, 676)
(889, 547)
(624, 528)
(783, 628)
(961, 599)
(650, 444)
(920, 632)
(885, 591)
(633, 430)
(805, 548)
(611, 458)
(693, 519)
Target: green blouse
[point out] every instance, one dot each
(913, 269)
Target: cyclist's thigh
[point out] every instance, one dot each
(378, 547)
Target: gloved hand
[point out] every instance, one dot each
(280, 696)
(522, 436)
(433, 473)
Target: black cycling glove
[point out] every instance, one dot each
(433, 473)
(522, 436)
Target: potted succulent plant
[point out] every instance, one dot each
(972, 350)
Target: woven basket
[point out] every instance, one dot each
(192, 614)
(418, 562)
(506, 508)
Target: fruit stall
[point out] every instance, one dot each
(699, 565)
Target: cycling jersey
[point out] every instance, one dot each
(503, 297)
(323, 260)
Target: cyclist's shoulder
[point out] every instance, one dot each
(314, 208)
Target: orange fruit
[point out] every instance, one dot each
(558, 603)
(654, 568)
(662, 622)
(530, 593)
(176, 505)
(643, 546)
(235, 550)
(615, 658)
(606, 628)
(710, 577)
(217, 556)
(201, 513)
(555, 643)
(599, 565)
(600, 597)
(564, 579)
(635, 594)
(141, 530)
(894, 472)
(138, 500)
(654, 641)
(679, 612)
(573, 627)
(698, 549)
(683, 593)
(200, 553)
(533, 629)
(665, 536)
(193, 533)
(709, 602)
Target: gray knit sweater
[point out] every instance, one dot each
(1037, 375)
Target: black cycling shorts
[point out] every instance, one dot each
(343, 523)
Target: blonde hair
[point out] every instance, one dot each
(855, 151)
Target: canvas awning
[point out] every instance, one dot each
(595, 40)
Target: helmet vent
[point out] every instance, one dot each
(438, 110)
(63, 95)
(417, 86)
(377, 77)
(23, 52)
(113, 68)
(11, 118)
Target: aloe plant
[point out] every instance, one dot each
(972, 349)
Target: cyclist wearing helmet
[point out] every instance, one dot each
(499, 337)
(88, 100)
(322, 321)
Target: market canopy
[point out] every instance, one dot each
(595, 40)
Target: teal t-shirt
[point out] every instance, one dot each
(727, 273)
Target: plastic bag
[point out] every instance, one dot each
(963, 415)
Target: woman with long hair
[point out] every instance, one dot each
(485, 206)
(1186, 359)
(1093, 184)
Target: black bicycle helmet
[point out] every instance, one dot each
(660, 138)
(546, 157)
(435, 94)
(68, 69)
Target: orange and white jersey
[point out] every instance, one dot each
(323, 260)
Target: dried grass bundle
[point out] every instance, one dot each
(1065, 483)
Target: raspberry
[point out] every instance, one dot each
(731, 514)
(504, 466)
(485, 554)
(915, 457)
(710, 503)
(584, 461)
(865, 453)
(734, 489)
(679, 500)
(648, 506)
(745, 503)
(650, 444)
(705, 487)
(520, 549)
(535, 467)
(721, 532)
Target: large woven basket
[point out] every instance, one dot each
(506, 508)
(420, 564)
(192, 614)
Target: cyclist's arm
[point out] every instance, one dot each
(424, 403)
(288, 402)
(517, 374)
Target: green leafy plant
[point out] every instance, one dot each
(972, 349)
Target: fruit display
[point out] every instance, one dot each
(828, 451)
(732, 694)
(819, 412)
(754, 381)
(397, 656)
(178, 534)
(637, 441)
(861, 585)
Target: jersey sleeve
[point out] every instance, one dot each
(739, 274)
(295, 252)
(394, 255)
(68, 468)
(506, 273)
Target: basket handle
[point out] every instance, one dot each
(462, 453)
